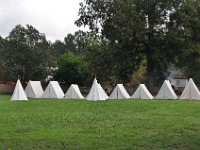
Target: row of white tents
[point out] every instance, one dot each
(53, 90)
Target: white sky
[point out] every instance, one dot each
(55, 18)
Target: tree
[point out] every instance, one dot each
(190, 62)
(72, 69)
(186, 29)
(70, 43)
(76, 43)
(120, 62)
(28, 54)
(59, 48)
(137, 30)
(95, 51)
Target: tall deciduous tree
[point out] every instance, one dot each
(137, 30)
(28, 54)
(185, 28)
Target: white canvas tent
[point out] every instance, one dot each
(191, 91)
(73, 92)
(142, 93)
(53, 90)
(34, 89)
(19, 93)
(96, 92)
(119, 92)
(166, 91)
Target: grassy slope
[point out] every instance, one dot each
(79, 124)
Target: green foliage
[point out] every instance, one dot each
(95, 52)
(190, 62)
(156, 31)
(2, 49)
(72, 69)
(139, 75)
(76, 42)
(114, 124)
(70, 43)
(28, 54)
(59, 48)
(119, 51)
(186, 30)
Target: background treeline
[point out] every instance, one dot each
(138, 39)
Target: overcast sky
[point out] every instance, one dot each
(55, 18)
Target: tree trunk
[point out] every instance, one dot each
(150, 81)
(150, 78)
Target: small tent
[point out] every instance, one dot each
(119, 92)
(142, 93)
(73, 92)
(190, 91)
(96, 92)
(19, 93)
(166, 91)
(34, 89)
(53, 90)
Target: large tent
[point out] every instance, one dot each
(191, 91)
(96, 92)
(166, 91)
(73, 92)
(19, 93)
(53, 90)
(119, 93)
(142, 93)
(34, 89)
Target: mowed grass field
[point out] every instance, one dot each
(112, 124)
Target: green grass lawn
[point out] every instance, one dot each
(113, 124)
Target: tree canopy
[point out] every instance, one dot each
(186, 30)
(154, 30)
(27, 54)
(72, 69)
(125, 38)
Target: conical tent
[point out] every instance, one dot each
(53, 90)
(142, 93)
(166, 91)
(96, 92)
(191, 91)
(19, 93)
(73, 92)
(119, 93)
(34, 89)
